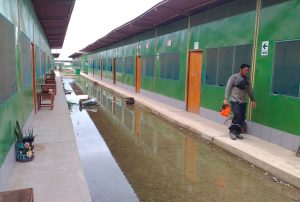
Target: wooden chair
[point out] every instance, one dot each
(49, 76)
(42, 96)
(49, 87)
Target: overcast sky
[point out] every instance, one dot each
(93, 19)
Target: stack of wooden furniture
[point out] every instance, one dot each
(48, 92)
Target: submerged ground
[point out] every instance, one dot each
(160, 161)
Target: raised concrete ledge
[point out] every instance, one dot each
(275, 159)
(56, 173)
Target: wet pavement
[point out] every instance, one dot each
(161, 162)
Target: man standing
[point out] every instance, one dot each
(237, 89)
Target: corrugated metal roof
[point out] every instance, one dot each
(75, 55)
(55, 55)
(54, 16)
(163, 13)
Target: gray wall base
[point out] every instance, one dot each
(281, 138)
(161, 98)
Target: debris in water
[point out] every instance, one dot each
(275, 179)
(129, 100)
(89, 102)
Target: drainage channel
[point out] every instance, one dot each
(130, 154)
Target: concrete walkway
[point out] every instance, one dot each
(275, 159)
(56, 173)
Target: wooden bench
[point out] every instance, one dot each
(49, 76)
(41, 96)
(49, 87)
(24, 195)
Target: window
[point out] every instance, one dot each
(286, 69)
(98, 64)
(225, 60)
(128, 65)
(211, 65)
(222, 62)
(148, 65)
(104, 64)
(119, 65)
(170, 66)
(109, 65)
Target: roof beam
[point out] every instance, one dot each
(172, 11)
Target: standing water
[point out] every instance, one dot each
(129, 154)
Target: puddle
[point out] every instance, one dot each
(161, 162)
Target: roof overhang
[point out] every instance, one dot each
(75, 55)
(55, 55)
(54, 16)
(163, 13)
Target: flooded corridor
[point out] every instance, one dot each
(160, 161)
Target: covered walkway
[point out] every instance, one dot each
(56, 173)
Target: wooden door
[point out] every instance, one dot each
(138, 74)
(194, 81)
(33, 77)
(114, 71)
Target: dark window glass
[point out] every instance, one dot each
(211, 66)
(119, 64)
(104, 64)
(8, 85)
(222, 62)
(148, 65)
(225, 65)
(170, 66)
(98, 64)
(109, 64)
(286, 69)
(242, 55)
(128, 65)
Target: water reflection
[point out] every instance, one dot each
(163, 163)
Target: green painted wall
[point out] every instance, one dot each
(167, 87)
(130, 51)
(230, 25)
(234, 30)
(148, 48)
(277, 23)
(119, 54)
(20, 105)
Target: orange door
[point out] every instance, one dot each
(114, 70)
(194, 81)
(138, 74)
(33, 77)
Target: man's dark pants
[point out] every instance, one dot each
(239, 111)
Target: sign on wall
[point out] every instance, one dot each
(265, 48)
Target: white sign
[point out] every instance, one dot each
(265, 48)
(196, 45)
(169, 43)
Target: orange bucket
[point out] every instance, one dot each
(225, 111)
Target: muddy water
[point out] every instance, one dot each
(166, 163)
